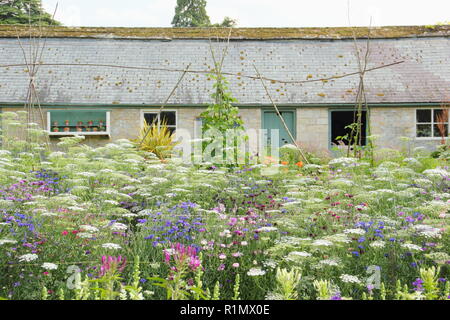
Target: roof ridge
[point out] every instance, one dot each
(161, 33)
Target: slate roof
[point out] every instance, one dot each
(289, 54)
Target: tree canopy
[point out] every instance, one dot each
(192, 13)
(24, 12)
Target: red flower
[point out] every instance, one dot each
(65, 233)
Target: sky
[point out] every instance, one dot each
(254, 13)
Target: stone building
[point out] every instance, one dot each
(117, 77)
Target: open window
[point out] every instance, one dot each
(78, 122)
(167, 117)
(340, 122)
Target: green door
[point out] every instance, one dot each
(273, 121)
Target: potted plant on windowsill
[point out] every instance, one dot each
(79, 129)
(66, 129)
(90, 123)
(55, 129)
(67, 122)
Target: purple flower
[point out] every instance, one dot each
(418, 284)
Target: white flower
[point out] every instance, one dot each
(117, 226)
(111, 246)
(48, 214)
(347, 278)
(272, 264)
(267, 229)
(412, 246)
(89, 228)
(85, 235)
(436, 172)
(169, 251)
(329, 262)
(378, 244)
(86, 174)
(112, 202)
(4, 241)
(325, 243)
(428, 231)
(256, 272)
(343, 161)
(355, 231)
(49, 266)
(28, 257)
(300, 254)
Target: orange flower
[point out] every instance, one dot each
(284, 163)
(299, 164)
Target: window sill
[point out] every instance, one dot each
(431, 138)
(55, 134)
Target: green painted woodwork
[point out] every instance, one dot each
(272, 121)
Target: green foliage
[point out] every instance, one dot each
(442, 152)
(191, 13)
(222, 117)
(158, 140)
(25, 12)
(221, 114)
(226, 23)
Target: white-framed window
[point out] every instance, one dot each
(166, 116)
(431, 123)
(79, 122)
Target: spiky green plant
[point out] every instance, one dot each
(156, 139)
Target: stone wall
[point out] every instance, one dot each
(390, 125)
(312, 129)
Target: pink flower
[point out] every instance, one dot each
(112, 264)
(235, 265)
(221, 267)
(65, 233)
(222, 256)
(233, 221)
(182, 255)
(237, 254)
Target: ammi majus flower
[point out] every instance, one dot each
(347, 278)
(114, 246)
(254, 272)
(28, 257)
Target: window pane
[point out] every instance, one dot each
(150, 117)
(440, 130)
(424, 130)
(423, 115)
(440, 115)
(169, 117)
